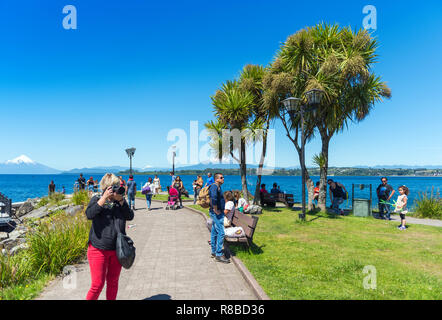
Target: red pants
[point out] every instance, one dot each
(104, 266)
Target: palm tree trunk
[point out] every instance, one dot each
(243, 170)
(256, 199)
(310, 192)
(325, 139)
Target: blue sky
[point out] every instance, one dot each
(134, 70)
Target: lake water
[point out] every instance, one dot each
(21, 187)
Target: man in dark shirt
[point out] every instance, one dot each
(384, 192)
(275, 189)
(51, 188)
(217, 206)
(338, 194)
(81, 182)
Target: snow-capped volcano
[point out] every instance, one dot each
(25, 165)
(21, 159)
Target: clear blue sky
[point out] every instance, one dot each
(134, 70)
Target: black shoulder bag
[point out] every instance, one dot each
(125, 249)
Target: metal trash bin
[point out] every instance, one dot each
(361, 207)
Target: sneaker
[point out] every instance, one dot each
(212, 255)
(402, 228)
(222, 259)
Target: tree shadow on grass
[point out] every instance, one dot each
(317, 213)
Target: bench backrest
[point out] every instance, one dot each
(247, 222)
(270, 196)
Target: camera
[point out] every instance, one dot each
(118, 189)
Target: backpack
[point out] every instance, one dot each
(204, 198)
(145, 190)
(253, 209)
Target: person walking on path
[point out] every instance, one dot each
(131, 191)
(384, 192)
(178, 184)
(156, 185)
(122, 182)
(198, 185)
(338, 194)
(81, 182)
(217, 207)
(173, 177)
(401, 206)
(107, 212)
(210, 180)
(150, 193)
(51, 188)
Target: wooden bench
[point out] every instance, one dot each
(248, 223)
(245, 221)
(270, 199)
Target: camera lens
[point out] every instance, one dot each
(118, 189)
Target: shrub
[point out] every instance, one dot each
(57, 242)
(81, 198)
(429, 205)
(55, 199)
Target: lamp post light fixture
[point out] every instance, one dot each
(173, 159)
(293, 107)
(130, 153)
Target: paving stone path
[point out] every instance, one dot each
(173, 262)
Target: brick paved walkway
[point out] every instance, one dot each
(173, 262)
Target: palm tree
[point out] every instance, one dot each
(337, 62)
(233, 109)
(251, 80)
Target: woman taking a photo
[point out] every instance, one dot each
(107, 212)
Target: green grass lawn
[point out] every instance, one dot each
(324, 257)
(161, 197)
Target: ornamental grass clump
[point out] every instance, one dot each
(80, 198)
(429, 205)
(57, 242)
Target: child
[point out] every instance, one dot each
(401, 205)
(229, 208)
(316, 193)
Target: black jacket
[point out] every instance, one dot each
(103, 234)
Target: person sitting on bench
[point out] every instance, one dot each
(275, 189)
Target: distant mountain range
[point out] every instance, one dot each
(24, 165)
(113, 169)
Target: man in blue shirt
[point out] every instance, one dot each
(210, 180)
(173, 178)
(275, 189)
(217, 205)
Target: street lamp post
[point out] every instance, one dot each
(292, 105)
(173, 159)
(130, 153)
